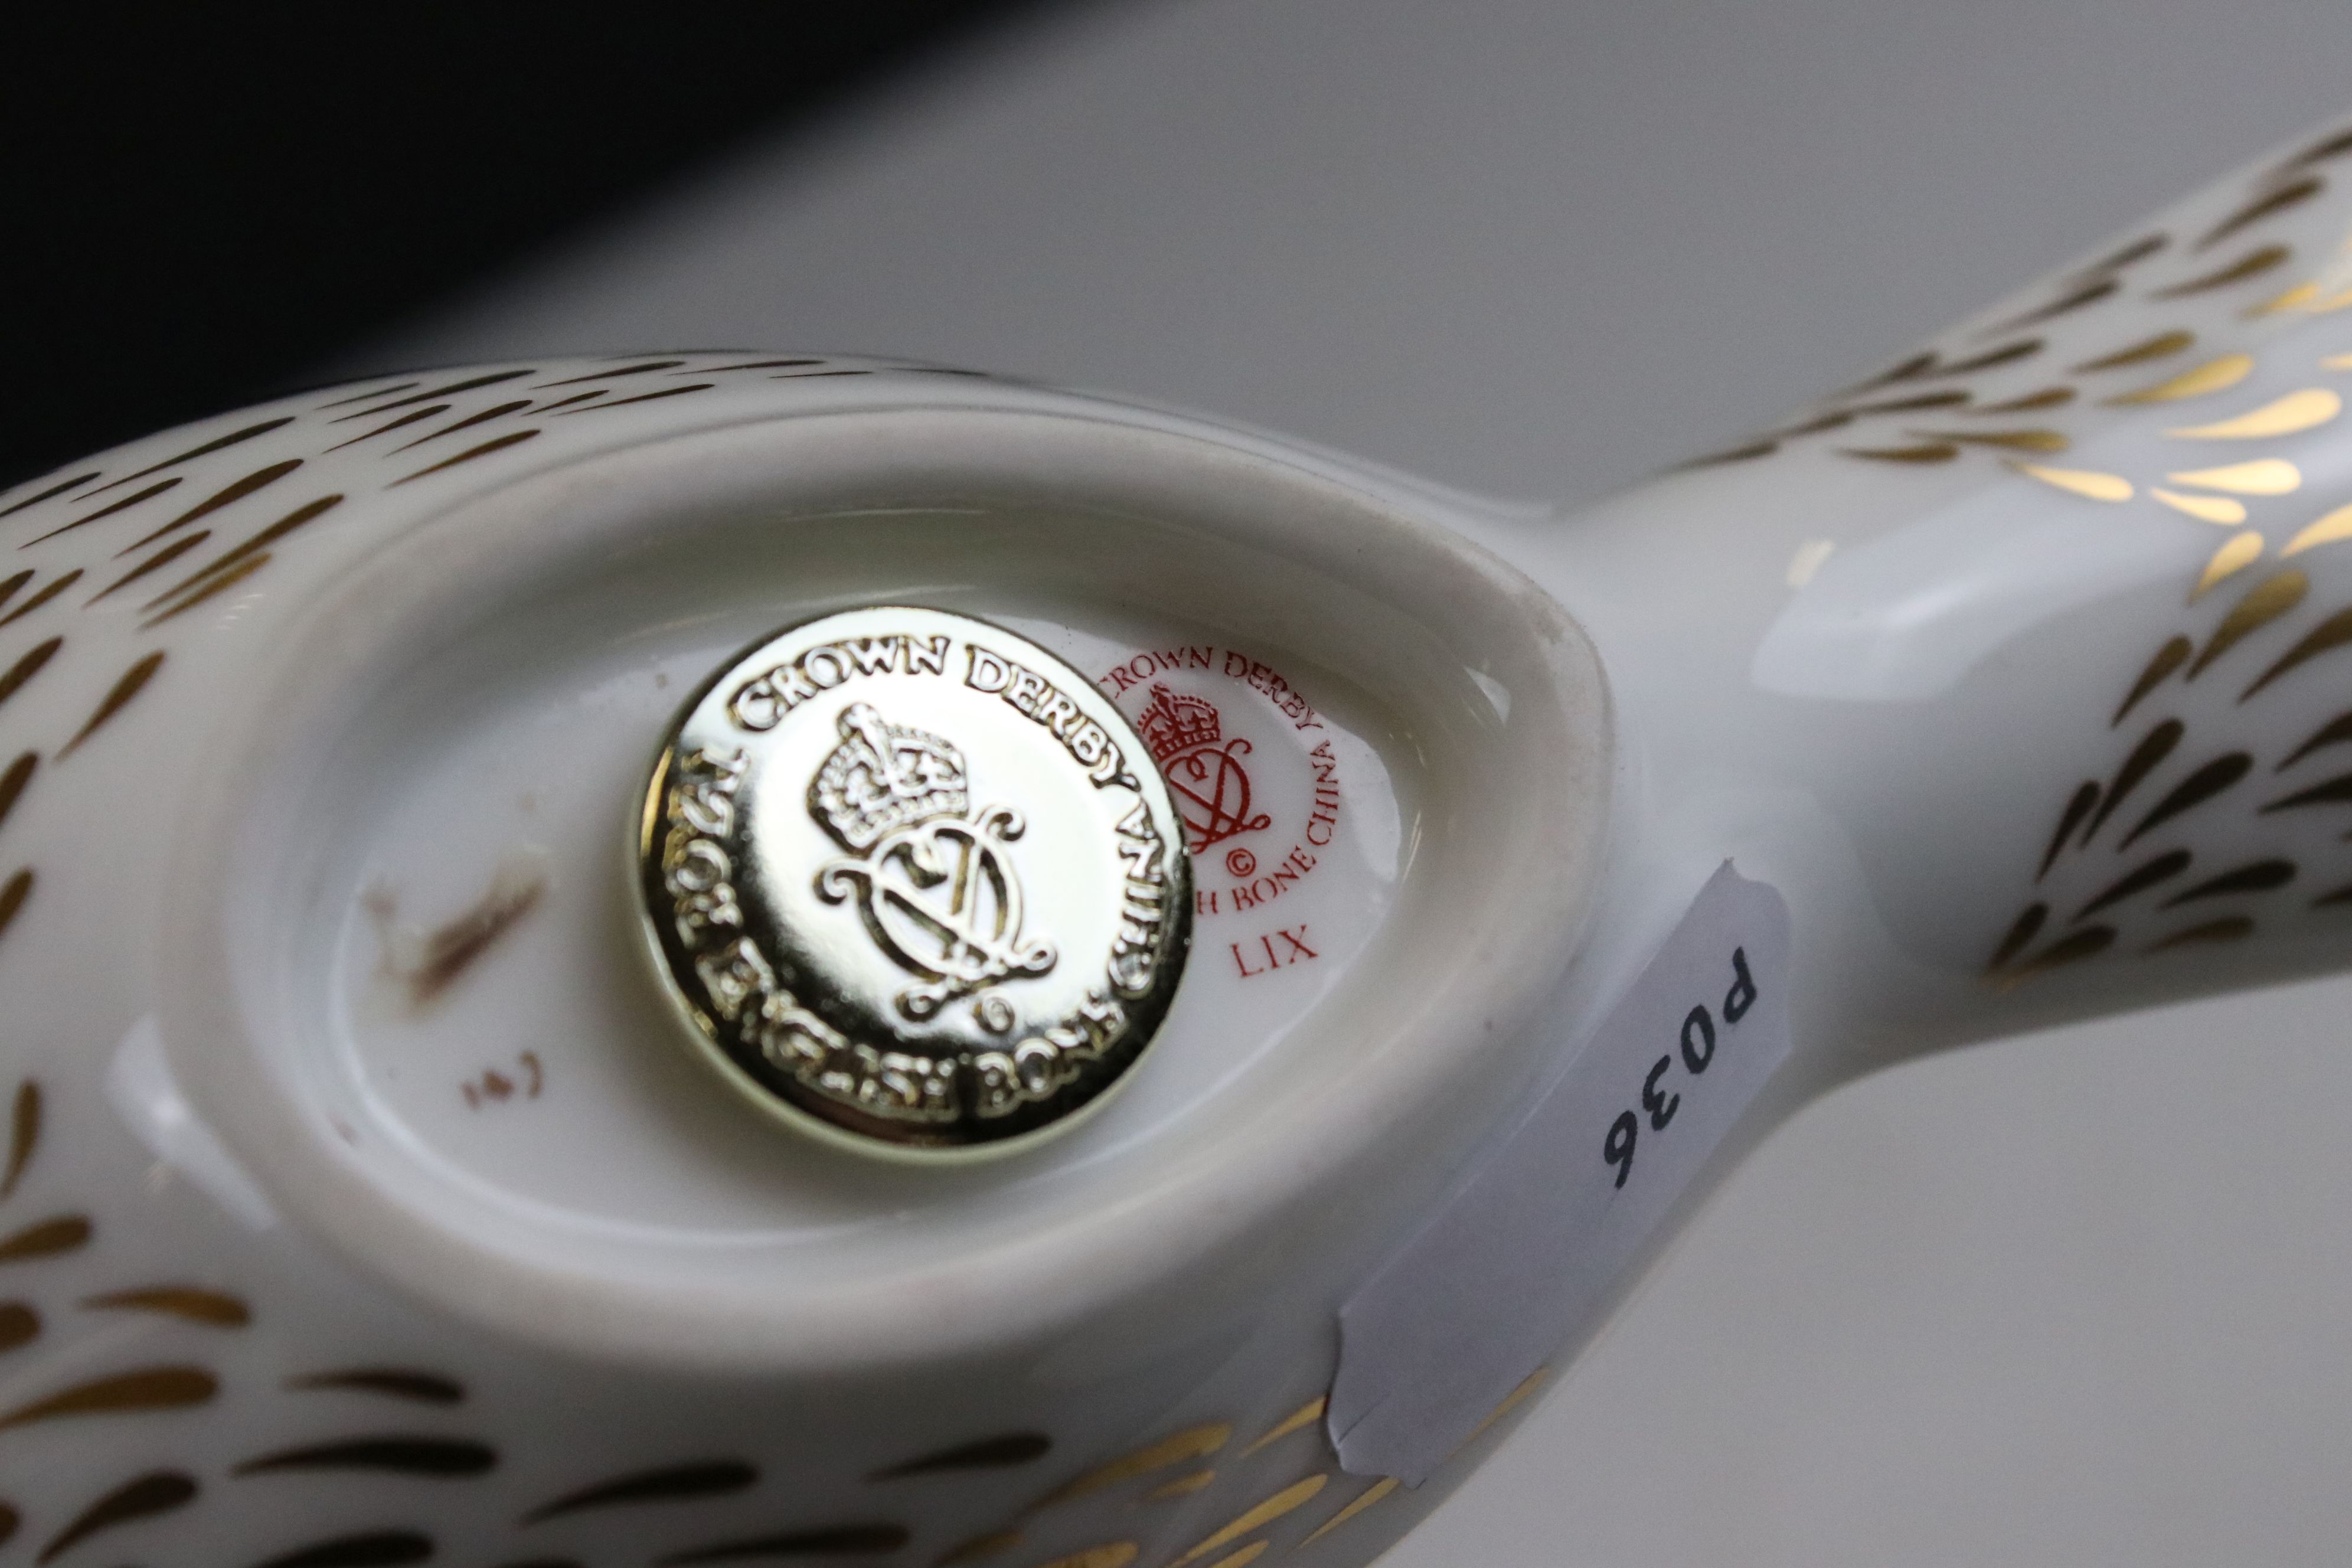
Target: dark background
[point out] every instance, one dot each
(201, 208)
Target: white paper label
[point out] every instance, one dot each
(1517, 1261)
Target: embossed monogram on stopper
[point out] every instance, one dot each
(937, 893)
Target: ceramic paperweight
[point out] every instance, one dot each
(740, 956)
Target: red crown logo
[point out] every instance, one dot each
(1175, 723)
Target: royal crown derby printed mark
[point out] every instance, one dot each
(1255, 773)
(1005, 930)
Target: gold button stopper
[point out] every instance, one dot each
(912, 881)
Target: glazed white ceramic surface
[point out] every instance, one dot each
(299, 1276)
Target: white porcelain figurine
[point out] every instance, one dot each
(434, 1129)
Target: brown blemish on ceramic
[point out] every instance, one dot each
(429, 962)
(495, 1087)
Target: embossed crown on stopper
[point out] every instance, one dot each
(882, 777)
